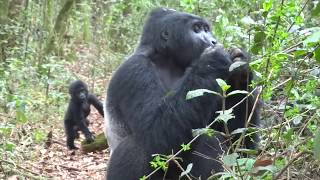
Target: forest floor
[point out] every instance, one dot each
(52, 159)
(57, 162)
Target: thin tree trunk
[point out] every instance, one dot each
(59, 26)
(4, 7)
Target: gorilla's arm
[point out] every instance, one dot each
(159, 126)
(166, 123)
(240, 79)
(92, 99)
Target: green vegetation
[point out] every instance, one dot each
(46, 44)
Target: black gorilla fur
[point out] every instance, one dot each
(146, 109)
(79, 108)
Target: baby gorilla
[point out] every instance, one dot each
(79, 108)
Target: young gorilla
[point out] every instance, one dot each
(146, 109)
(79, 108)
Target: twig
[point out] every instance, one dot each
(287, 80)
(58, 142)
(179, 166)
(249, 119)
(290, 162)
(2, 169)
(20, 167)
(196, 137)
(63, 166)
(67, 167)
(304, 6)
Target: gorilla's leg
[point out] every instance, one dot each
(76, 129)
(127, 157)
(71, 135)
(205, 156)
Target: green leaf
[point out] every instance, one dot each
(258, 42)
(199, 92)
(269, 168)
(300, 52)
(237, 92)
(236, 64)
(231, 159)
(316, 145)
(223, 85)
(317, 53)
(9, 146)
(267, 5)
(297, 120)
(225, 116)
(316, 10)
(313, 38)
(21, 117)
(247, 20)
(207, 131)
(239, 131)
(185, 147)
(188, 170)
(38, 136)
(247, 151)
(159, 161)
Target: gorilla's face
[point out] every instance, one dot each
(192, 40)
(78, 91)
(177, 36)
(82, 94)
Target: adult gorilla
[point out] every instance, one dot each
(146, 109)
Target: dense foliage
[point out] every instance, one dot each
(46, 44)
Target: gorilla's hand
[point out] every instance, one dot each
(237, 54)
(239, 70)
(90, 138)
(217, 56)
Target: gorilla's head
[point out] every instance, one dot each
(78, 91)
(175, 35)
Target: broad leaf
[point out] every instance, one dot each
(231, 159)
(199, 92)
(247, 20)
(297, 120)
(188, 170)
(223, 85)
(236, 64)
(239, 131)
(207, 131)
(269, 168)
(237, 92)
(258, 42)
(317, 53)
(313, 38)
(225, 116)
(316, 11)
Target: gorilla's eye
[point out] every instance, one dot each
(206, 28)
(196, 28)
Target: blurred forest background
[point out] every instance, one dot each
(45, 44)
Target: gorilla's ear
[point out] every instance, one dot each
(164, 35)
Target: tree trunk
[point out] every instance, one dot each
(59, 26)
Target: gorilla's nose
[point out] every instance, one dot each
(213, 42)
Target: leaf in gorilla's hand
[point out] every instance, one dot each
(236, 64)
